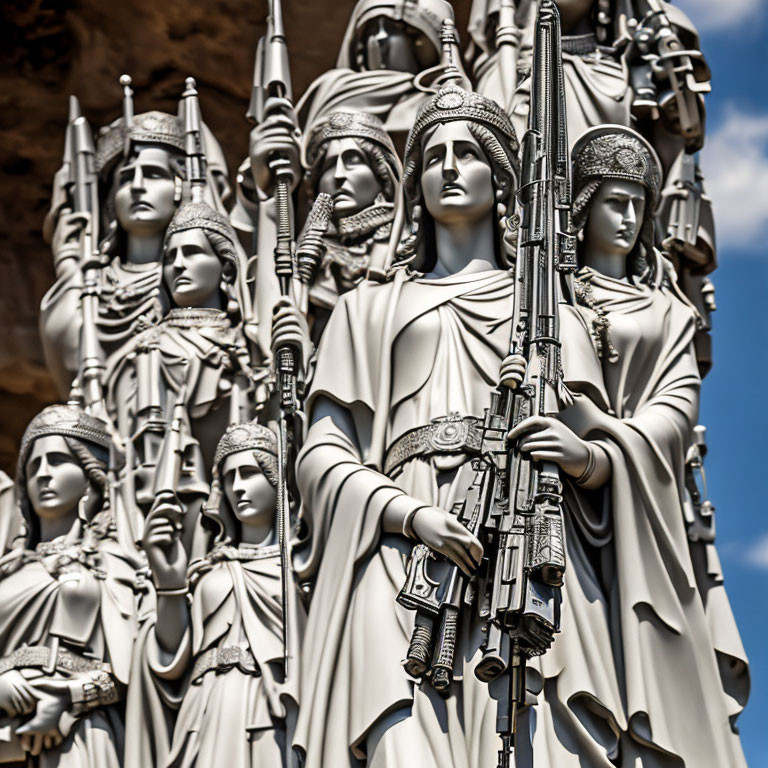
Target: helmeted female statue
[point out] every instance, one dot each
(227, 674)
(648, 668)
(194, 353)
(386, 46)
(406, 366)
(608, 81)
(350, 157)
(142, 190)
(69, 603)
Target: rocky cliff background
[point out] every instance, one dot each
(50, 49)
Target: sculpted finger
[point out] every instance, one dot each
(475, 552)
(531, 424)
(546, 455)
(462, 559)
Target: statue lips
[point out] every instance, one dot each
(452, 189)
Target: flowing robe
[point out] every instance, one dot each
(448, 336)
(633, 672)
(89, 606)
(198, 348)
(235, 718)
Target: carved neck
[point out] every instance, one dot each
(145, 249)
(462, 245)
(63, 525)
(258, 534)
(608, 263)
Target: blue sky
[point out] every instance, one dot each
(735, 163)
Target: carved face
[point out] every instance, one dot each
(456, 177)
(191, 270)
(144, 201)
(615, 217)
(391, 44)
(348, 178)
(249, 493)
(55, 480)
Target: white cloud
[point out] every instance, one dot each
(757, 554)
(735, 166)
(717, 14)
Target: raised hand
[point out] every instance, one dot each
(276, 136)
(289, 328)
(163, 546)
(67, 241)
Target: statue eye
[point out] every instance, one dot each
(468, 154)
(57, 459)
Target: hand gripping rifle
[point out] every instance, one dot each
(514, 504)
(272, 94)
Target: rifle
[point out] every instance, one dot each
(193, 141)
(508, 39)
(514, 504)
(659, 57)
(171, 454)
(85, 201)
(272, 94)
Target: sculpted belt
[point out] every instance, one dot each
(50, 659)
(224, 659)
(448, 434)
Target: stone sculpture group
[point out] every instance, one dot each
(385, 454)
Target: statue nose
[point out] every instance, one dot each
(450, 169)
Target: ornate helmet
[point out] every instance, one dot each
(244, 436)
(346, 125)
(200, 216)
(616, 152)
(422, 15)
(150, 127)
(67, 421)
(451, 104)
(249, 436)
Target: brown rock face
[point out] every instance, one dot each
(50, 50)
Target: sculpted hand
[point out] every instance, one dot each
(66, 244)
(42, 731)
(16, 697)
(443, 533)
(512, 371)
(277, 135)
(289, 327)
(162, 543)
(547, 439)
